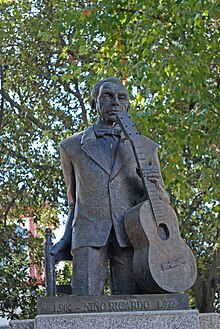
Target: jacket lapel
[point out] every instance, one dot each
(90, 145)
(123, 156)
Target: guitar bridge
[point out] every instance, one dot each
(168, 265)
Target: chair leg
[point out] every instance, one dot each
(49, 265)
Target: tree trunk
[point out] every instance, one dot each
(205, 290)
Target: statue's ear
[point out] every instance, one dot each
(93, 104)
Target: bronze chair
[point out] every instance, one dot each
(50, 261)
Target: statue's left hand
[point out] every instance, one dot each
(154, 180)
(152, 174)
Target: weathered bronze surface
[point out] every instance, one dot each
(162, 261)
(92, 304)
(105, 182)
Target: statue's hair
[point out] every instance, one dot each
(95, 89)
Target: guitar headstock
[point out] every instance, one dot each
(128, 127)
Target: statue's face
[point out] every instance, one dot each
(112, 98)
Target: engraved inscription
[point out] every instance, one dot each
(95, 307)
(166, 304)
(95, 304)
(62, 308)
(113, 306)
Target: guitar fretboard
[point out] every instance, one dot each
(145, 170)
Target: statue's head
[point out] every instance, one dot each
(108, 97)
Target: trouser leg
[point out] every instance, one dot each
(121, 269)
(90, 268)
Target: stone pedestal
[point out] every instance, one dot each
(127, 320)
(186, 319)
(114, 303)
(209, 320)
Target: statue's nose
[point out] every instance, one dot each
(115, 100)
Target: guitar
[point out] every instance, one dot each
(162, 261)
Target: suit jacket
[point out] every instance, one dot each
(100, 196)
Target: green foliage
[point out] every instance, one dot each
(17, 290)
(52, 52)
(64, 274)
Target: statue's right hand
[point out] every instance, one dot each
(59, 246)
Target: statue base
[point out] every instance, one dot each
(113, 303)
(168, 311)
(129, 320)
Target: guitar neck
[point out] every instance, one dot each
(144, 168)
(150, 187)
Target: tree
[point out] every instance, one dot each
(52, 52)
(18, 252)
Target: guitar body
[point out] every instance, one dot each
(162, 261)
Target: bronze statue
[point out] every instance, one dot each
(106, 182)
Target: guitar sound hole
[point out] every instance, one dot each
(163, 231)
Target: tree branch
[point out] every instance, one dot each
(77, 94)
(27, 114)
(194, 205)
(20, 191)
(79, 97)
(19, 94)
